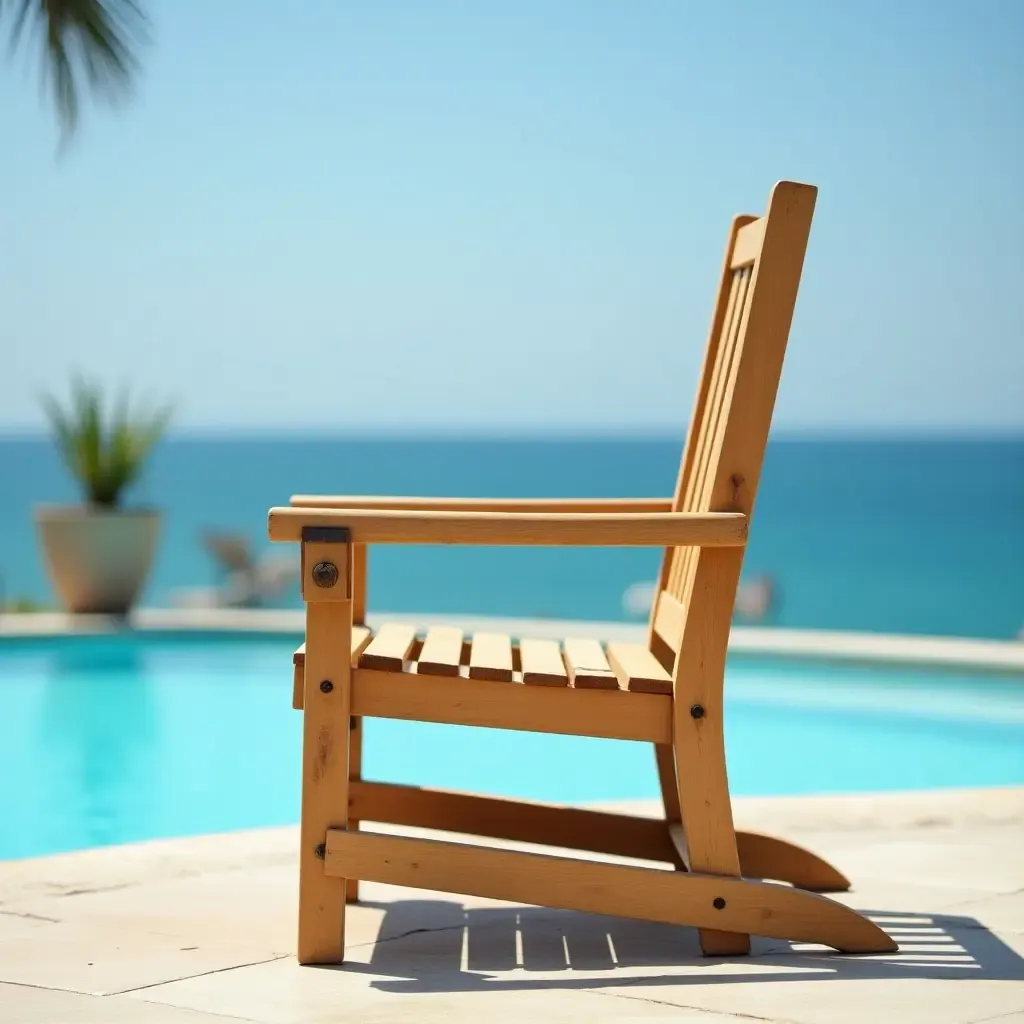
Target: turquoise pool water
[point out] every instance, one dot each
(114, 739)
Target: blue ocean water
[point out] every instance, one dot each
(917, 536)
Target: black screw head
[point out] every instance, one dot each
(321, 851)
(326, 686)
(325, 574)
(697, 711)
(719, 903)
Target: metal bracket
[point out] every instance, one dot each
(326, 535)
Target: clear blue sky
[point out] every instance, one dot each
(448, 214)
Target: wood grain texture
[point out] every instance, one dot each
(442, 652)
(588, 667)
(390, 502)
(726, 475)
(542, 663)
(571, 828)
(360, 638)
(696, 425)
(389, 648)
(767, 857)
(613, 714)
(490, 657)
(599, 529)
(637, 669)
(671, 897)
(748, 244)
(325, 763)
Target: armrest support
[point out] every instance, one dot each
(598, 529)
(387, 502)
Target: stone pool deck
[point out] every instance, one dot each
(201, 931)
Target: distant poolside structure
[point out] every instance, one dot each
(248, 582)
(755, 599)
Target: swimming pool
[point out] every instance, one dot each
(111, 739)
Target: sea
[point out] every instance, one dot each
(902, 535)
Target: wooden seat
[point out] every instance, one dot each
(580, 663)
(667, 691)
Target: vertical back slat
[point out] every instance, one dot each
(711, 420)
(703, 384)
(740, 374)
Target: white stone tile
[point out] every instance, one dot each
(932, 982)
(991, 862)
(21, 1004)
(284, 993)
(14, 924)
(1001, 912)
(257, 906)
(82, 957)
(187, 926)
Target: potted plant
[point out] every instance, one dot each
(98, 554)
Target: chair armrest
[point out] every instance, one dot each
(598, 529)
(386, 502)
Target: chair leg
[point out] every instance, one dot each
(355, 774)
(698, 736)
(706, 813)
(327, 697)
(781, 861)
(355, 750)
(761, 856)
(665, 760)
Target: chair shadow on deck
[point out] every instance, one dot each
(441, 946)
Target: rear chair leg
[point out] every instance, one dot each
(760, 856)
(355, 749)
(666, 762)
(707, 839)
(355, 774)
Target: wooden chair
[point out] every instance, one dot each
(667, 692)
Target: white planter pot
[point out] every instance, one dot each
(98, 558)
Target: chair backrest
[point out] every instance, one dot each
(739, 380)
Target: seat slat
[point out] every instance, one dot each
(442, 652)
(542, 663)
(587, 665)
(490, 657)
(638, 669)
(389, 647)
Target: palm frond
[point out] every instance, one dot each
(94, 40)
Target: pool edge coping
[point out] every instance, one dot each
(804, 644)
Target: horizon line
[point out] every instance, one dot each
(551, 432)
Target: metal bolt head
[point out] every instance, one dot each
(321, 851)
(718, 903)
(697, 711)
(326, 686)
(325, 574)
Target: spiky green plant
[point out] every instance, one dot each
(86, 42)
(105, 453)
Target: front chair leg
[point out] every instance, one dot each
(327, 698)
